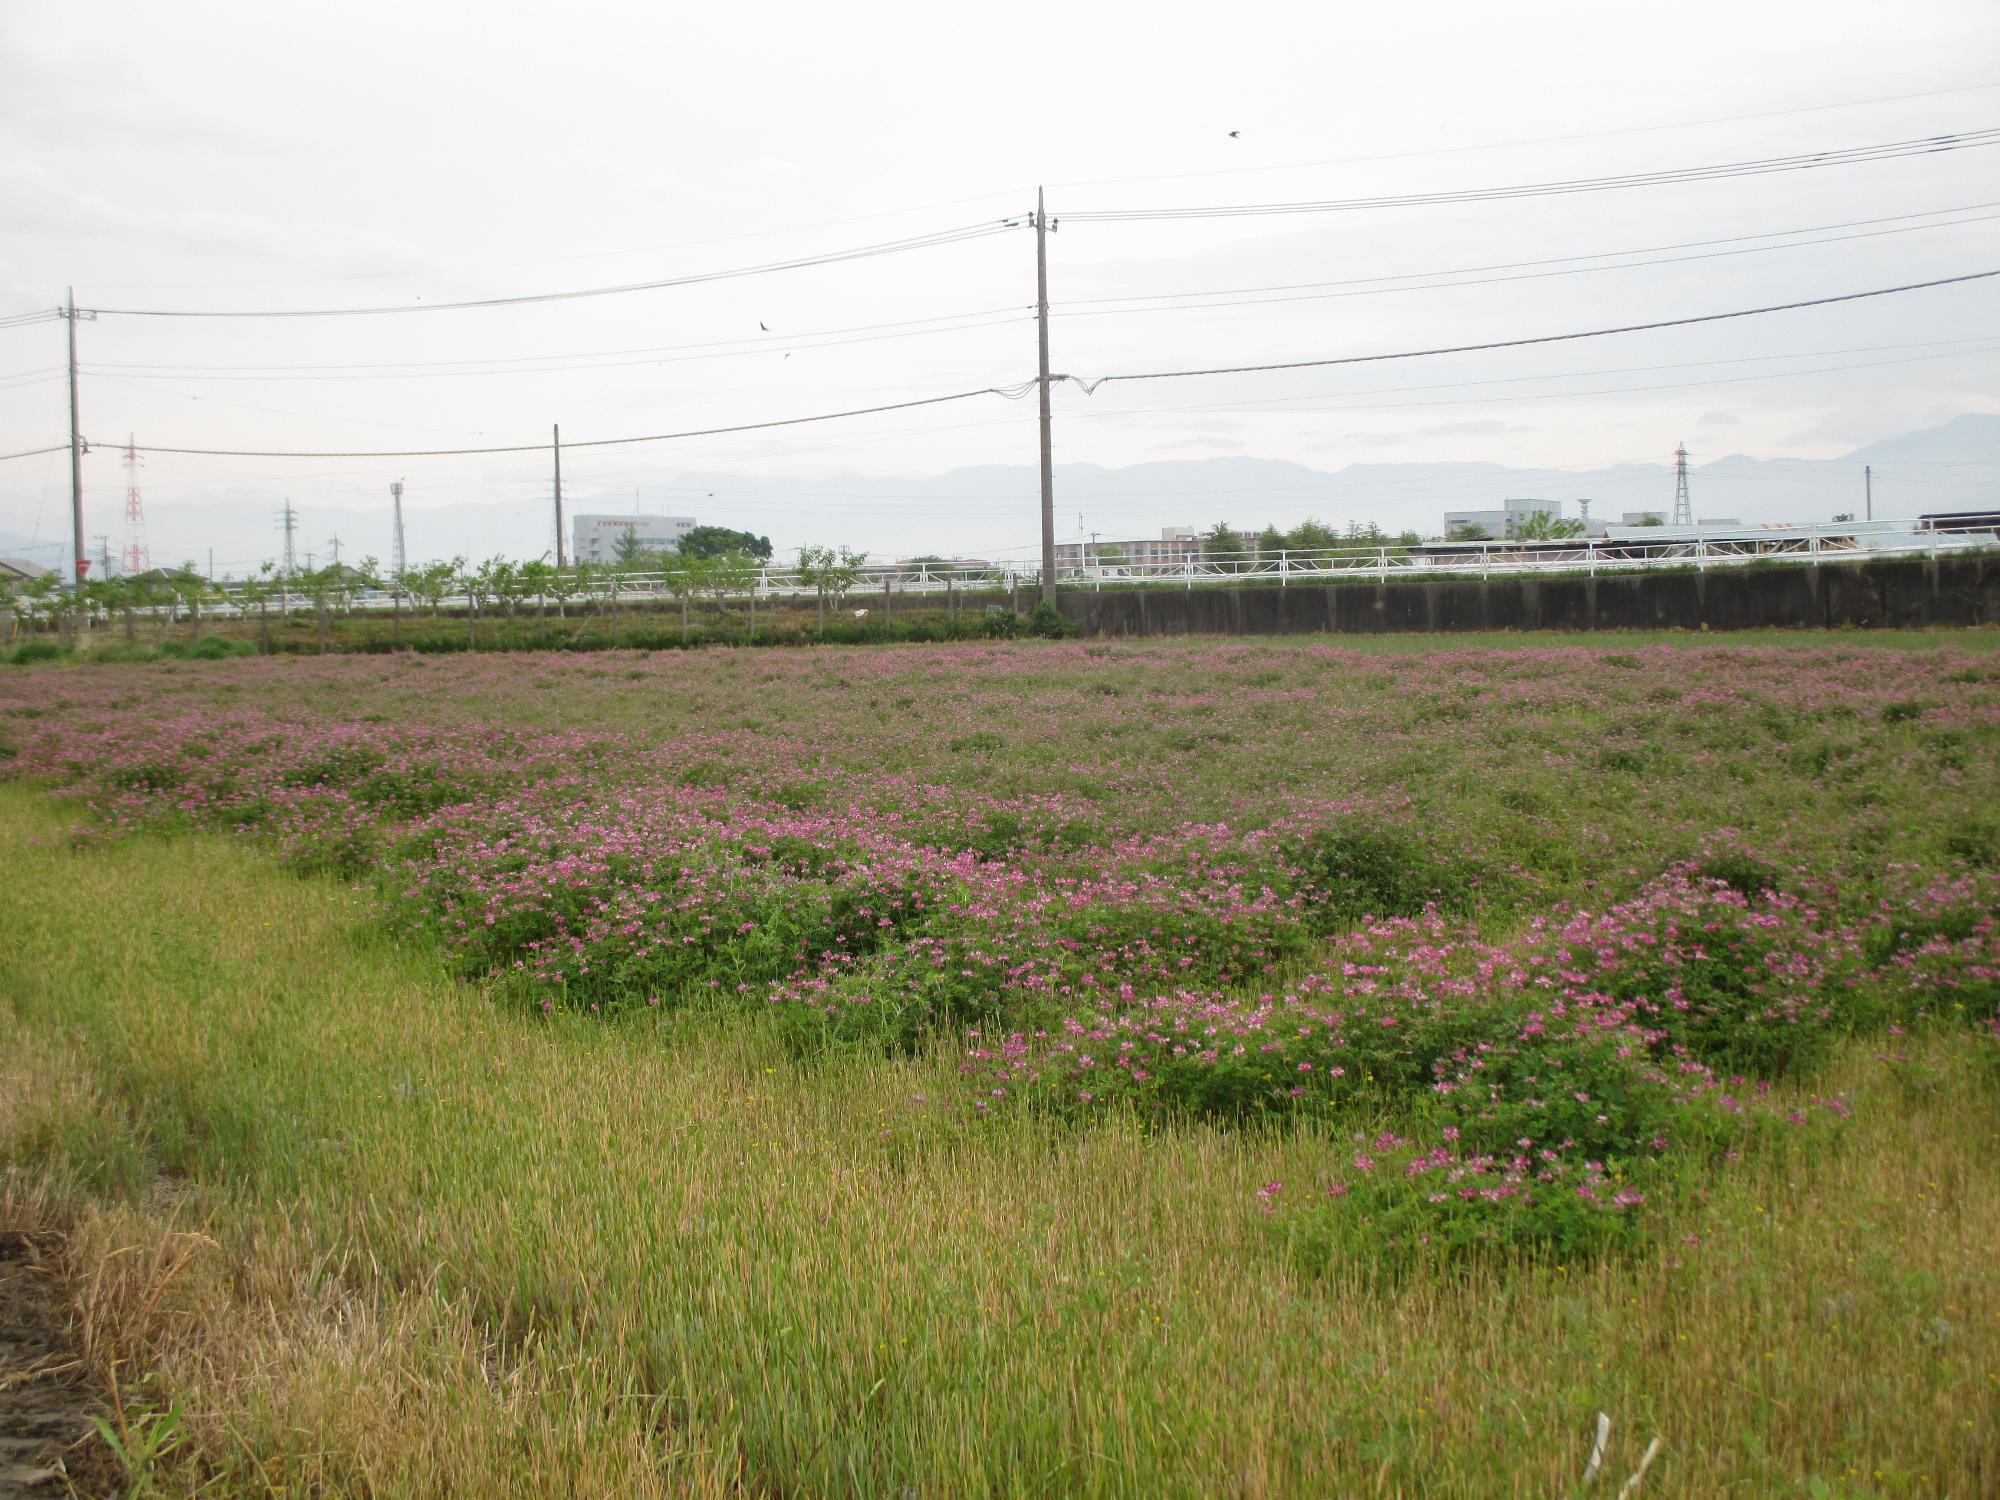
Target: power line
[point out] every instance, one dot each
(1845, 156)
(36, 452)
(832, 257)
(1426, 281)
(1542, 140)
(1011, 393)
(1546, 338)
(23, 320)
(518, 365)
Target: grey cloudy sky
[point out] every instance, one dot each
(257, 156)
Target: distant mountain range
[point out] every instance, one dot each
(969, 511)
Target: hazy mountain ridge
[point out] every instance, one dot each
(1952, 466)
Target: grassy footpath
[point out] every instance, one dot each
(374, 1235)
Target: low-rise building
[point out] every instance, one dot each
(19, 570)
(596, 537)
(1174, 545)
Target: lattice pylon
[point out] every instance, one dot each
(137, 557)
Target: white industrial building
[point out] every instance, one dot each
(1502, 523)
(597, 536)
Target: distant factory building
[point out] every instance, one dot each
(597, 536)
(1505, 522)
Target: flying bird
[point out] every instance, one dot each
(762, 327)
(1235, 135)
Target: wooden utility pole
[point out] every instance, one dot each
(559, 535)
(1048, 452)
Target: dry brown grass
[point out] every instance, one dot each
(419, 1247)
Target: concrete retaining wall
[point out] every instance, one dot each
(1963, 590)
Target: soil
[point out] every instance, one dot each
(47, 1444)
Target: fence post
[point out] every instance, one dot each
(1284, 567)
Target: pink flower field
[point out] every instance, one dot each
(1563, 913)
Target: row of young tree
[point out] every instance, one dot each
(167, 598)
(1226, 545)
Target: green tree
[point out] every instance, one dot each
(719, 541)
(627, 550)
(326, 588)
(1311, 536)
(1543, 526)
(191, 591)
(566, 584)
(1222, 545)
(259, 590)
(434, 581)
(535, 580)
(36, 599)
(829, 574)
(492, 582)
(725, 574)
(684, 577)
(1465, 531)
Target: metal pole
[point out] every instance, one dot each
(77, 563)
(1868, 483)
(1048, 456)
(396, 499)
(558, 452)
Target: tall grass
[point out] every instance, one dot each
(457, 1249)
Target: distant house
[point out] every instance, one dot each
(15, 570)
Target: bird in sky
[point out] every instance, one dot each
(1235, 135)
(763, 327)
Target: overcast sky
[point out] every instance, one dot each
(253, 157)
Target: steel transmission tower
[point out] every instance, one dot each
(138, 557)
(1683, 505)
(396, 497)
(289, 519)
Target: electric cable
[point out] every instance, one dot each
(1011, 393)
(1089, 386)
(1565, 265)
(1806, 161)
(833, 257)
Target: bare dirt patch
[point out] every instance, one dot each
(47, 1444)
